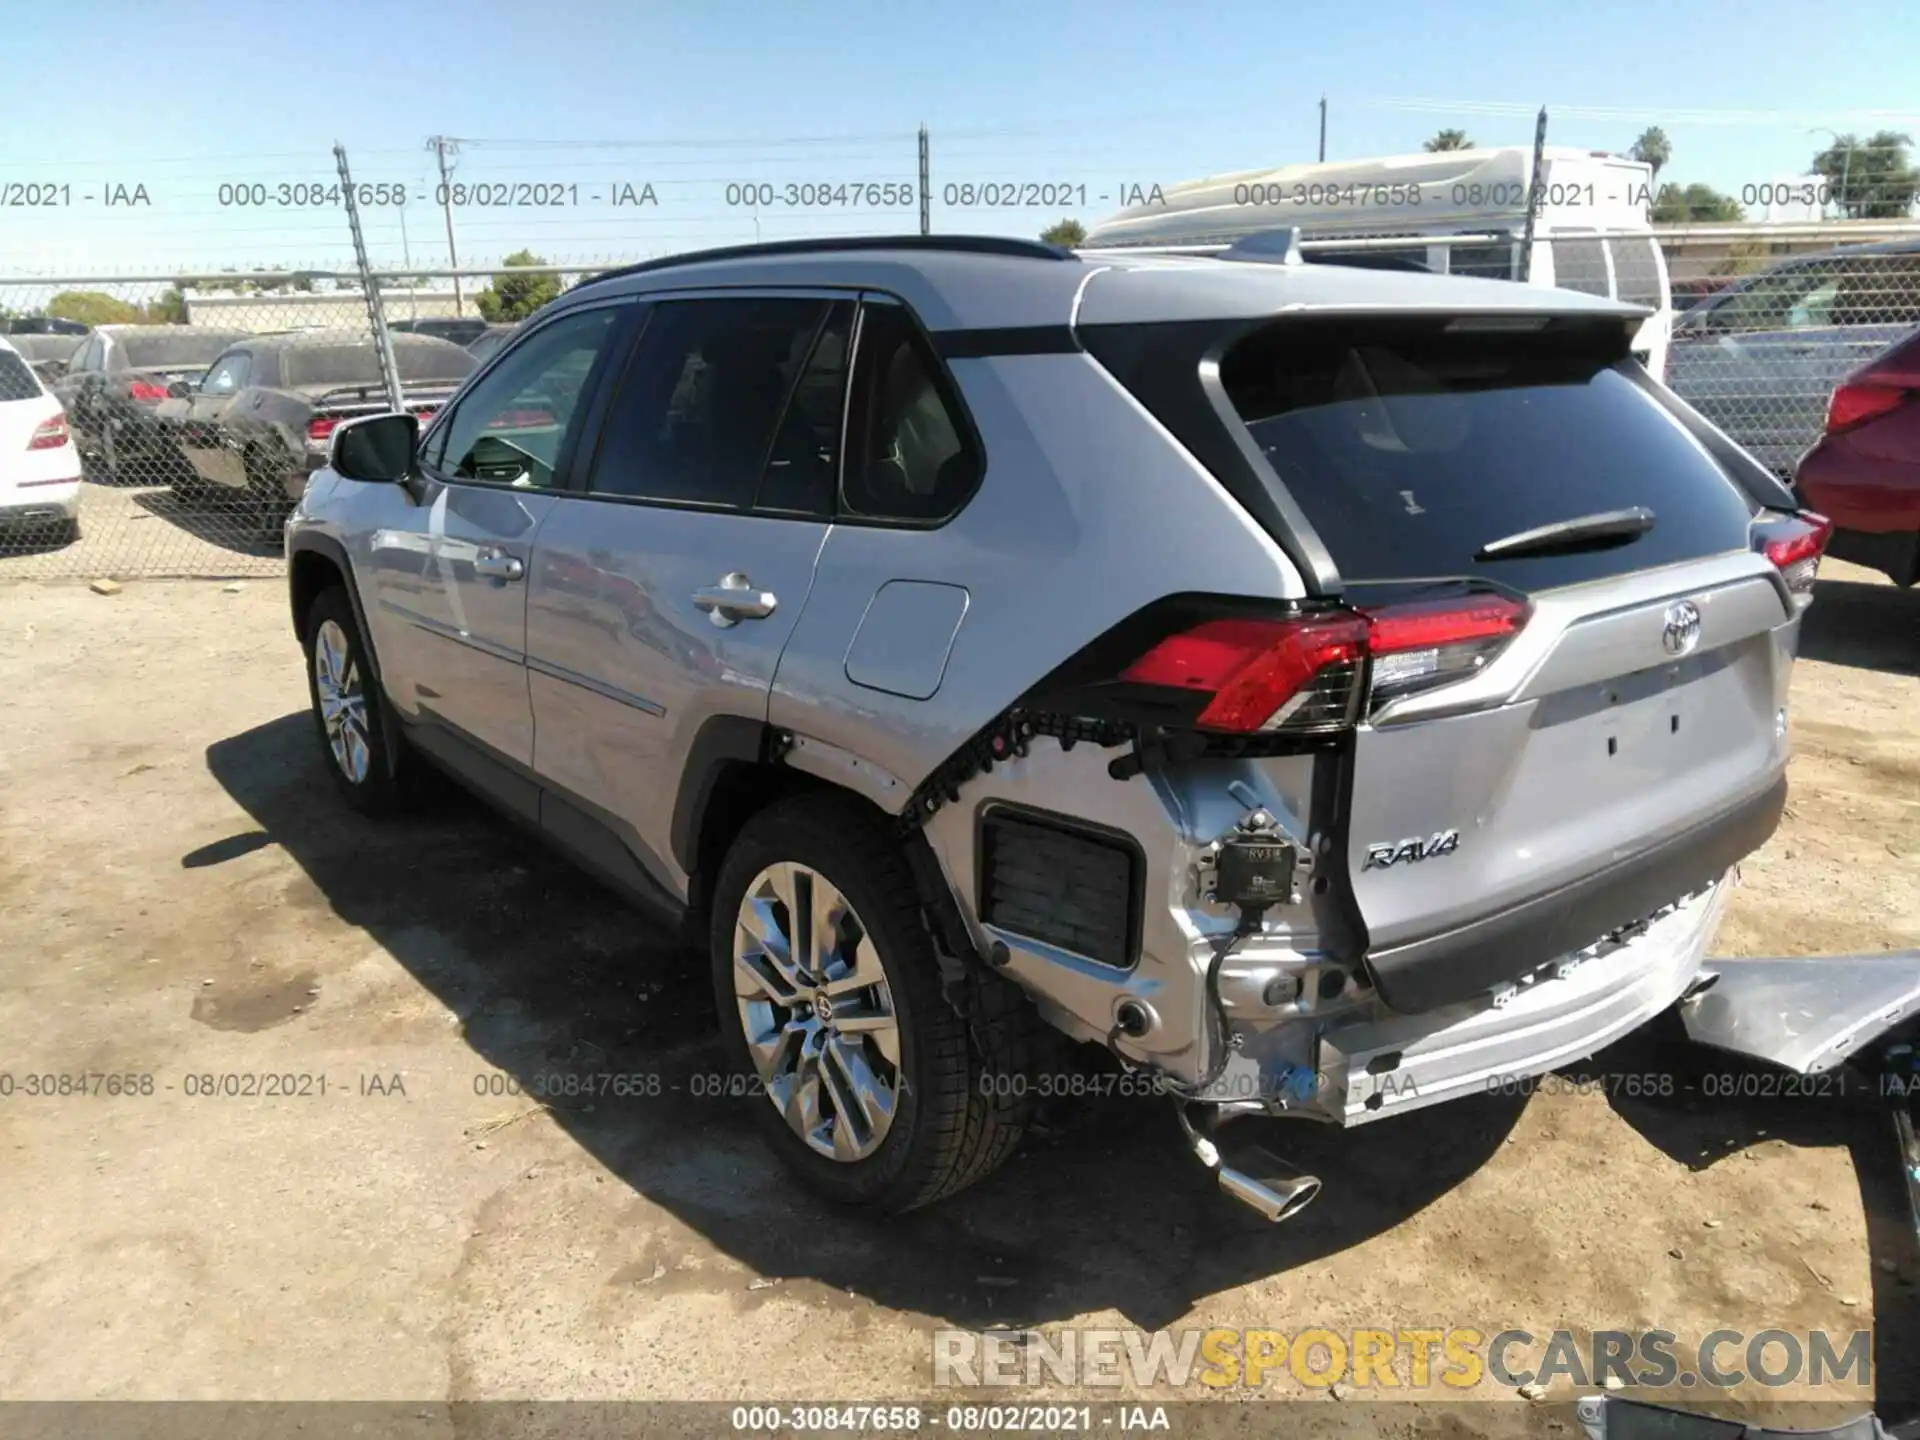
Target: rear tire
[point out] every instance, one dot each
(370, 765)
(909, 1102)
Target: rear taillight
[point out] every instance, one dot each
(1299, 673)
(319, 428)
(1418, 646)
(50, 434)
(146, 392)
(1854, 404)
(1795, 544)
(1305, 673)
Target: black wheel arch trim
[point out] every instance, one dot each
(722, 740)
(332, 550)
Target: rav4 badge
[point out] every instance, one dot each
(1385, 856)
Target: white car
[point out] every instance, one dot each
(39, 466)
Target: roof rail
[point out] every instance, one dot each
(964, 244)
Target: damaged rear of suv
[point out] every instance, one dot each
(1331, 691)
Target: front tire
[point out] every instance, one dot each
(866, 1082)
(369, 765)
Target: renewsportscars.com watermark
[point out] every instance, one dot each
(1453, 1359)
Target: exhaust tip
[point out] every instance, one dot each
(1281, 1200)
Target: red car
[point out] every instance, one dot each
(1865, 471)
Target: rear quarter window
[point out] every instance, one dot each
(1410, 446)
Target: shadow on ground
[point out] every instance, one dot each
(549, 974)
(224, 519)
(1700, 1125)
(1868, 627)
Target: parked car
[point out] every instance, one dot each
(1327, 690)
(1760, 358)
(482, 346)
(44, 325)
(39, 468)
(1864, 474)
(116, 380)
(47, 354)
(461, 331)
(257, 423)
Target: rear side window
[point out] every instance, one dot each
(694, 418)
(1580, 264)
(804, 462)
(909, 456)
(17, 382)
(1410, 447)
(145, 351)
(1636, 271)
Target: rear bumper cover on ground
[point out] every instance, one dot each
(1806, 1014)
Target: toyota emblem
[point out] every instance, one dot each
(1683, 627)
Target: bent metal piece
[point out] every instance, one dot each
(1806, 1014)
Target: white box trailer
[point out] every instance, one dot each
(1461, 212)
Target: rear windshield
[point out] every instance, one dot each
(46, 347)
(1410, 447)
(357, 364)
(17, 382)
(147, 351)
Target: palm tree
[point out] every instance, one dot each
(1652, 148)
(1450, 140)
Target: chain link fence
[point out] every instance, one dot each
(171, 413)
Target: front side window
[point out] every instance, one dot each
(511, 428)
(908, 456)
(1798, 298)
(699, 411)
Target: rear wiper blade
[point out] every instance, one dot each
(1588, 532)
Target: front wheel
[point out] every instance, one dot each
(369, 765)
(867, 1083)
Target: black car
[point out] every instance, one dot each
(115, 382)
(43, 325)
(259, 420)
(442, 327)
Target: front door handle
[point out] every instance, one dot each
(498, 565)
(734, 599)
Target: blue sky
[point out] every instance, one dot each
(185, 97)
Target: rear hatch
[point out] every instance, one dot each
(1562, 726)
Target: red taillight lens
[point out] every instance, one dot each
(50, 434)
(1795, 547)
(146, 392)
(1304, 673)
(1853, 405)
(1263, 674)
(319, 429)
(1431, 643)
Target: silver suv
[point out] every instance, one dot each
(1332, 691)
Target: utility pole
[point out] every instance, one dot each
(1536, 192)
(442, 146)
(1323, 127)
(926, 187)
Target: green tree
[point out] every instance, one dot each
(1068, 232)
(1652, 148)
(94, 307)
(514, 297)
(168, 308)
(1871, 178)
(1677, 205)
(1449, 140)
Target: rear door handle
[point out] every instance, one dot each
(498, 565)
(734, 599)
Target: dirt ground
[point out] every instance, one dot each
(182, 896)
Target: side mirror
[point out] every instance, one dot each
(376, 448)
(179, 390)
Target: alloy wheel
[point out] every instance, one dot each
(817, 1012)
(343, 701)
